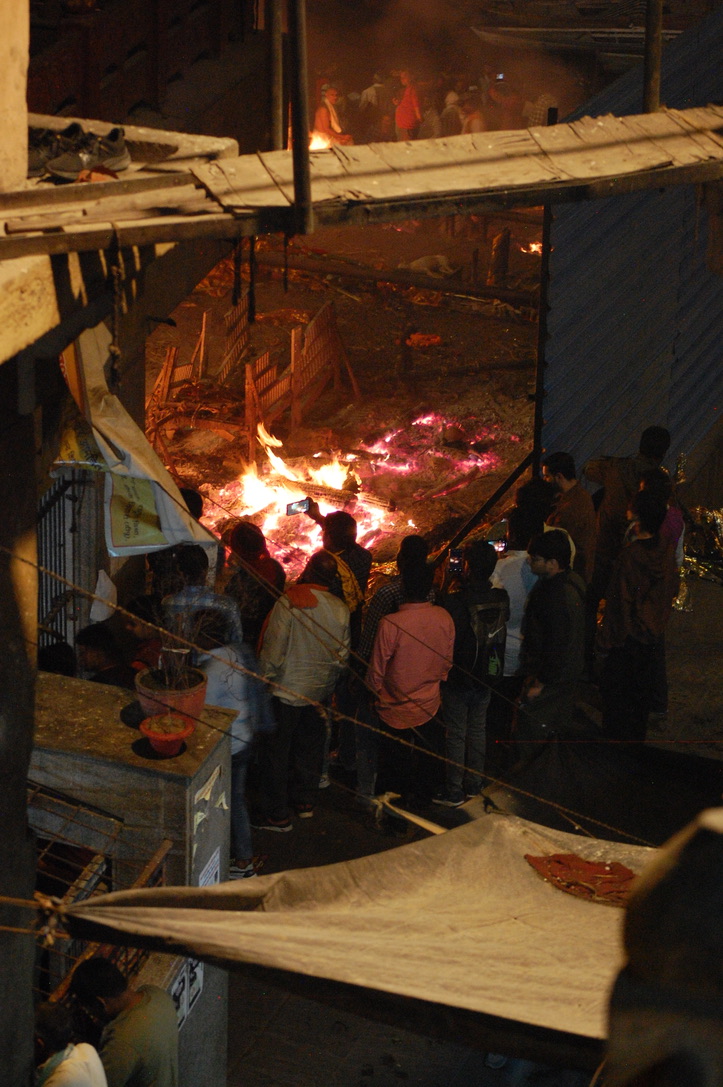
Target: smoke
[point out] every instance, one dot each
(357, 37)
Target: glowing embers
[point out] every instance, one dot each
(533, 247)
(462, 445)
(433, 456)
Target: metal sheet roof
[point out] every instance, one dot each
(635, 325)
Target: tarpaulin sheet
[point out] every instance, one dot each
(460, 919)
(144, 510)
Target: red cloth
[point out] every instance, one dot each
(407, 113)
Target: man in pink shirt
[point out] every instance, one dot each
(412, 654)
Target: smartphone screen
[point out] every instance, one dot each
(456, 560)
(300, 506)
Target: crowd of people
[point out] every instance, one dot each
(448, 671)
(444, 676)
(399, 105)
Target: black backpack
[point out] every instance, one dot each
(488, 620)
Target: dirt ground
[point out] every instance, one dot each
(474, 386)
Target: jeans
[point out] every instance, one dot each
(367, 746)
(627, 686)
(292, 758)
(465, 719)
(397, 759)
(240, 825)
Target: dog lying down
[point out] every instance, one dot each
(437, 266)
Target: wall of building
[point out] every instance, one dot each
(636, 306)
(13, 111)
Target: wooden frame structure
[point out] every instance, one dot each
(270, 389)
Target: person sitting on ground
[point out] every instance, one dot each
(553, 641)
(572, 510)
(99, 656)
(179, 608)
(231, 682)
(412, 654)
(326, 118)
(139, 1043)
(59, 1062)
(141, 624)
(303, 651)
(480, 613)
(639, 601)
(257, 581)
(59, 658)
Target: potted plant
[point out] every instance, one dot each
(174, 686)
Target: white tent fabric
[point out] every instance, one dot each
(460, 919)
(144, 510)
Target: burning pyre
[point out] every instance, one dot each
(366, 482)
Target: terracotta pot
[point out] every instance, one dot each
(157, 699)
(166, 732)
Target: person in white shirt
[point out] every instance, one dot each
(231, 672)
(303, 651)
(512, 573)
(60, 1063)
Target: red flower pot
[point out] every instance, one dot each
(166, 732)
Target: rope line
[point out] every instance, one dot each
(314, 703)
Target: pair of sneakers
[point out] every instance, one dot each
(67, 153)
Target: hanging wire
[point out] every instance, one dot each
(274, 686)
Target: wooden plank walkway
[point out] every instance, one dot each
(253, 194)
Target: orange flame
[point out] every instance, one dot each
(318, 141)
(533, 247)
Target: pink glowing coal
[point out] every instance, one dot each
(263, 492)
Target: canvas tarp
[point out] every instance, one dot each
(143, 508)
(460, 919)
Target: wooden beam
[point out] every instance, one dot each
(279, 220)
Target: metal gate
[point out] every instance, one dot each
(61, 608)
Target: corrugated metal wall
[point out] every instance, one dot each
(636, 319)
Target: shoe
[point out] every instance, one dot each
(45, 145)
(448, 801)
(324, 781)
(305, 811)
(90, 151)
(281, 826)
(236, 871)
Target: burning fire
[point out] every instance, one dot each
(318, 141)
(263, 493)
(533, 247)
